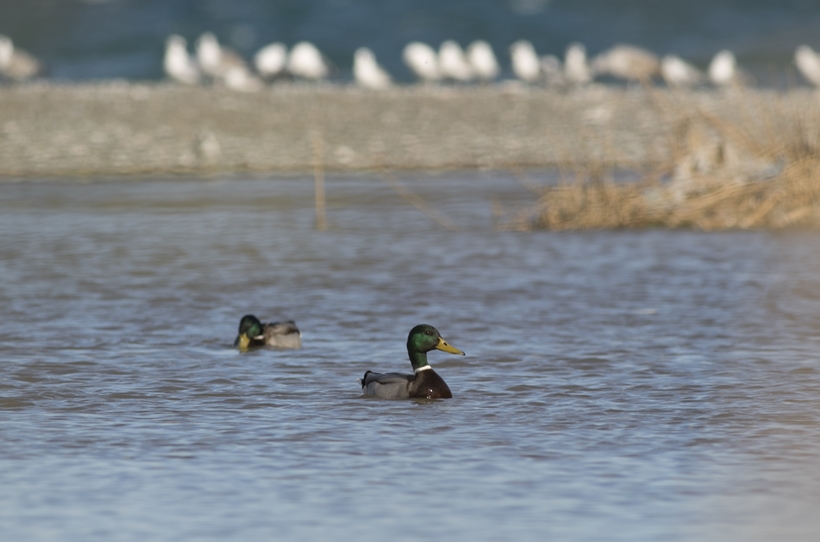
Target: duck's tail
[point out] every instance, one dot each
(363, 379)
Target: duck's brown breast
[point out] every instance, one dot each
(429, 385)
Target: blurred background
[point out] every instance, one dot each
(91, 39)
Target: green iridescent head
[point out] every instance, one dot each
(250, 328)
(422, 339)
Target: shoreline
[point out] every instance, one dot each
(138, 129)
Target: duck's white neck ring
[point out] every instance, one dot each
(425, 368)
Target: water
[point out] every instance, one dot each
(87, 39)
(651, 385)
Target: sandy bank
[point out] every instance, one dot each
(119, 128)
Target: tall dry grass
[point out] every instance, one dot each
(757, 167)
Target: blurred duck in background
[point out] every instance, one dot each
(808, 64)
(307, 62)
(628, 63)
(367, 72)
(525, 63)
(178, 64)
(213, 59)
(241, 79)
(723, 71)
(676, 72)
(576, 67)
(16, 64)
(453, 62)
(422, 61)
(482, 60)
(271, 60)
(224, 65)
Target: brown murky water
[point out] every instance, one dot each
(618, 385)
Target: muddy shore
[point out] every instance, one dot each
(119, 128)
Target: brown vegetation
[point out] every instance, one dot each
(759, 169)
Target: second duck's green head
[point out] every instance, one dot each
(249, 328)
(422, 339)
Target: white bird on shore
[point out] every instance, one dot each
(270, 60)
(627, 62)
(307, 62)
(367, 72)
(679, 73)
(525, 63)
(17, 64)
(453, 63)
(241, 79)
(422, 61)
(808, 64)
(209, 55)
(552, 71)
(215, 60)
(482, 60)
(576, 68)
(723, 69)
(178, 64)
(224, 65)
(6, 51)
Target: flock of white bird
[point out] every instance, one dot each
(451, 63)
(211, 62)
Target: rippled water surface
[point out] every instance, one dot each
(617, 386)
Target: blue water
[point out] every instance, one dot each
(624, 386)
(83, 39)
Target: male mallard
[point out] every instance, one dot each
(424, 383)
(254, 333)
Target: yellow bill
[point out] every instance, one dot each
(243, 342)
(444, 347)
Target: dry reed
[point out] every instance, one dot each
(752, 169)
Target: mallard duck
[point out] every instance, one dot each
(425, 383)
(253, 333)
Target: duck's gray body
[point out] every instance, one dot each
(253, 334)
(282, 334)
(424, 384)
